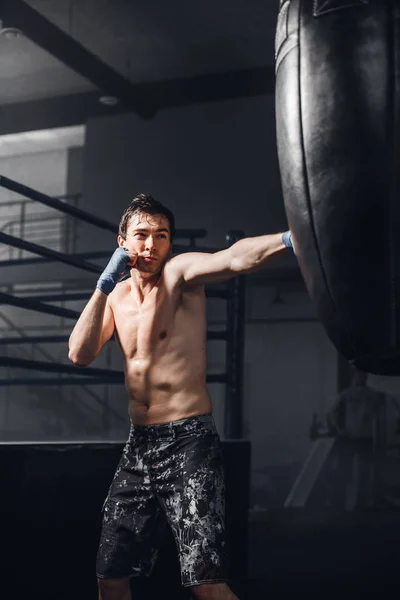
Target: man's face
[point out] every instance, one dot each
(149, 237)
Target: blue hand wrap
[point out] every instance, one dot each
(115, 271)
(287, 240)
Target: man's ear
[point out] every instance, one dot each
(121, 241)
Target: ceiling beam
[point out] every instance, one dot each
(75, 109)
(56, 111)
(63, 47)
(211, 87)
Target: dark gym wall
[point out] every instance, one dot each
(74, 184)
(214, 164)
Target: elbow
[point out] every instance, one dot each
(79, 359)
(239, 266)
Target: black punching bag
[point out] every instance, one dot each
(338, 123)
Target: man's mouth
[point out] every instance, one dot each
(149, 258)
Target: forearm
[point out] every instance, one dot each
(255, 253)
(84, 341)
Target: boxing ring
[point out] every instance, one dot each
(55, 490)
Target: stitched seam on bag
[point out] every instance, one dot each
(286, 47)
(325, 8)
(308, 196)
(395, 19)
(280, 38)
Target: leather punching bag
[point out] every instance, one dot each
(338, 125)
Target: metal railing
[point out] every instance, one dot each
(57, 232)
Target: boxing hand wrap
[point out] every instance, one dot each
(115, 271)
(287, 240)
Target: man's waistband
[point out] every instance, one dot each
(190, 425)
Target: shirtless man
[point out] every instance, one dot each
(170, 472)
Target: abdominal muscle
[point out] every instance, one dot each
(164, 390)
(163, 342)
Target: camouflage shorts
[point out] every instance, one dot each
(169, 474)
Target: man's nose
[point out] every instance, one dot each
(149, 243)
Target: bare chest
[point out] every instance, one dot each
(144, 327)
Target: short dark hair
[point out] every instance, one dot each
(143, 203)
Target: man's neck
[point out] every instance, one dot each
(144, 282)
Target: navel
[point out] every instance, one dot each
(163, 335)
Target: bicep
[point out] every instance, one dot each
(200, 268)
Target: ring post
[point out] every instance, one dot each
(236, 450)
(235, 350)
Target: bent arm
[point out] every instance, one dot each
(93, 329)
(245, 256)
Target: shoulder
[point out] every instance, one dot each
(174, 271)
(181, 261)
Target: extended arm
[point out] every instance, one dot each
(245, 256)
